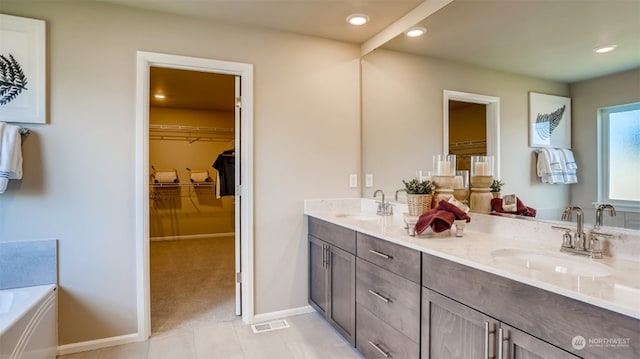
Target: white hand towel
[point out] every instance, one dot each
(570, 175)
(10, 154)
(550, 166)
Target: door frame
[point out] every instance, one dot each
(244, 141)
(492, 117)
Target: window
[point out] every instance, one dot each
(619, 152)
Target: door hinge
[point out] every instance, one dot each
(238, 102)
(238, 277)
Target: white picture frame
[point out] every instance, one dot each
(549, 120)
(22, 70)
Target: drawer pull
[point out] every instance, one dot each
(385, 354)
(385, 256)
(380, 296)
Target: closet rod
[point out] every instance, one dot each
(189, 129)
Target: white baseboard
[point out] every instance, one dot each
(192, 236)
(265, 317)
(99, 343)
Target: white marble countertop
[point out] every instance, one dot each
(618, 292)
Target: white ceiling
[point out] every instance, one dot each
(321, 18)
(540, 38)
(551, 39)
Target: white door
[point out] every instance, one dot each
(238, 202)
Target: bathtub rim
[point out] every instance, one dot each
(36, 294)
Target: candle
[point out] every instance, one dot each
(444, 168)
(457, 183)
(481, 169)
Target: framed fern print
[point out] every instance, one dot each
(22, 70)
(549, 121)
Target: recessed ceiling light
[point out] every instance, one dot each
(160, 96)
(604, 49)
(357, 19)
(416, 31)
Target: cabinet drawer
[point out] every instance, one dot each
(394, 299)
(333, 234)
(376, 339)
(395, 258)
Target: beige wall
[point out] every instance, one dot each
(79, 177)
(188, 210)
(587, 97)
(402, 121)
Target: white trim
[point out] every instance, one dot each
(412, 18)
(265, 317)
(144, 61)
(99, 343)
(192, 236)
(493, 122)
(603, 163)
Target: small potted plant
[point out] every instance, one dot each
(419, 195)
(496, 186)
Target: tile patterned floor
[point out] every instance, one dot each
(192, 314)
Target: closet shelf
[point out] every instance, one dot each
(190, 133)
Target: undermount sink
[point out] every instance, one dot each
(550, 262)
(359, 216)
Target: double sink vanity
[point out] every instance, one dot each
(502, 290)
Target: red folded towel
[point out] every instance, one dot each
(440, 218)
(459, 213)
(521, 208)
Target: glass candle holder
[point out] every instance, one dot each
(481, 166)
(444, 165)
(461, 180)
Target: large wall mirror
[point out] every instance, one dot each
(503, 50)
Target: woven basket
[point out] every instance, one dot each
(419, 203)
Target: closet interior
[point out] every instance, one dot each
(191, 197)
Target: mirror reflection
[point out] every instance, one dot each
(501, 49)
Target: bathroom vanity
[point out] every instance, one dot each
(439, 296)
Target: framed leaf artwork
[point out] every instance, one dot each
(549, 121)
(22, 70)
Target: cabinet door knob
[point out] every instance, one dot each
(380, 350)
(385, 256)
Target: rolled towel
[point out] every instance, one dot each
(166, 176)
(200, 176)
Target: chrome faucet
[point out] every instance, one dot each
(384, 208)
(580, 238)
(600, 209)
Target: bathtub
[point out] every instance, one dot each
(29, 322)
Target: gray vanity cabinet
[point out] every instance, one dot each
(387, 299)
(451, 330)
(533, 320)
(332, 267)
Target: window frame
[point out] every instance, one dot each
(603, 158)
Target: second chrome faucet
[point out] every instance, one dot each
(384, 208)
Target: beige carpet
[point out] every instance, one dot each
(192, 283)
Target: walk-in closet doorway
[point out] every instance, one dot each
(195, 252)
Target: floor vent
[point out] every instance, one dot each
(267, 327)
